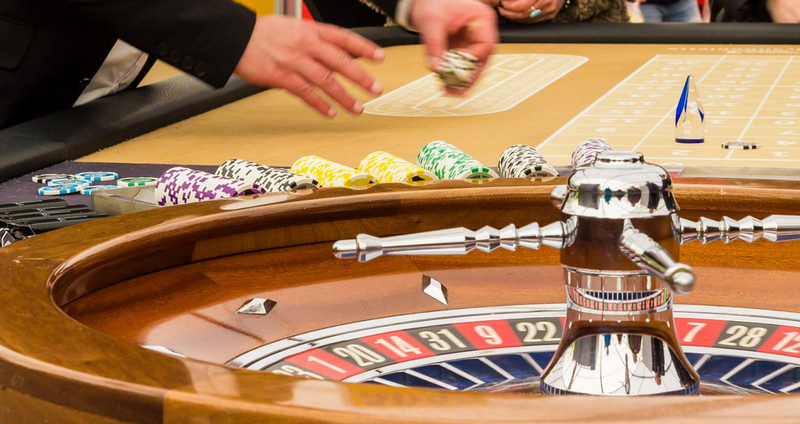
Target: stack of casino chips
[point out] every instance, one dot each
(457, 68)
(60, 187)
(330, 174)
(388, 168)
(183, 185)
(267, 179)
(523, 161)
(586, 152)
(448, 162)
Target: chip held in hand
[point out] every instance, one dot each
(457, 69)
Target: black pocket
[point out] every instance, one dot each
(16, 39)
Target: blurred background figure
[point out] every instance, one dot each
(561, 11)
(780, 11)
(668, 10)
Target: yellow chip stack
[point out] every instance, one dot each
(330, 174)
(388, 168)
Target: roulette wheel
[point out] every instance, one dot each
(238, 310)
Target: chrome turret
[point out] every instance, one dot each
(619, 237)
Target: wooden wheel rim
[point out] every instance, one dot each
(52, 366)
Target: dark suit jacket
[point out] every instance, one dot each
(51, 49)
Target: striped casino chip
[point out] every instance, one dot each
(523, 161)
(96, 176)
(137, 182)
(330, 174)
(61, 189)
(388, 168)
(266, 178)
(457, 69)
(46, 178)
(586, 152)
(448, 162)
(68, 182)
(183, 185)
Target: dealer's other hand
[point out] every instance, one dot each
(524, 11)
(784, 11)
(302, 57)
(466, 25)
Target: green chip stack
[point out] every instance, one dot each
(448, 162)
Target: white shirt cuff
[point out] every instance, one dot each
(402, 14)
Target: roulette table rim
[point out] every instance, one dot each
(60, 368)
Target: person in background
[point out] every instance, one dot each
(670, 10)
(779, 11)
(58, 53)
(560, 11)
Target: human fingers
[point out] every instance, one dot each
(519, 6)
(465, 25)
(338, 60)
(549, 8)
(479, 38)
(304, 89)
(492, 3)
(544, 10)
(519, 17)
(434, 38)
(352, 43)
(324, 78)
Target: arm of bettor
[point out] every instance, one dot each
(520, 10)
(210, 34)
(223, 37)
(466, 25)
(784, 11)
(305, 57)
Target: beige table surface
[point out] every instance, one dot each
(274, 128)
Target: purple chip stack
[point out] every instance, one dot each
(183, 185)
(587, 151)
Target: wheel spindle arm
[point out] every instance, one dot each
(773, 228)
(453, 241)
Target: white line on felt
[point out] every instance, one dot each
(542, 144)
(753, 118)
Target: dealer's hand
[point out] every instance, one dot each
(466, 25)
(525, 11)
(784, 11)
(304, 57)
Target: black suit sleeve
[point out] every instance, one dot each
(205, 38)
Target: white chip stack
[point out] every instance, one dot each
(268, 179)
(523, 161)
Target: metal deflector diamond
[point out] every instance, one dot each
(434, 289)
(257, 306)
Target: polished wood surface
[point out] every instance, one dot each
(54, 367)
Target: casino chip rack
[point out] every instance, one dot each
(619, 240)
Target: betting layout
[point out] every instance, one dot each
(731, 338)
(508, 80)
(753, 98)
